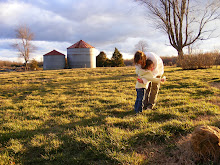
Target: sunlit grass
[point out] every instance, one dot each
(86, 116)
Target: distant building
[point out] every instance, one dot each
(54, 60)
(81, 55)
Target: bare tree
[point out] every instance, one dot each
(141, 45)
(23, 43)
(184, 21)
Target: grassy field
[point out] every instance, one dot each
(86, 116)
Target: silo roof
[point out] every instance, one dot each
(80, 44)
(54, 52)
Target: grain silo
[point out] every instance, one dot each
(81, 55)
(54, 60)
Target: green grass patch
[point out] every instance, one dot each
(86, 116)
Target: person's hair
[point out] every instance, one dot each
(139, 55)
(147, 64)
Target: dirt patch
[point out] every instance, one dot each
(215, 84)
(216, 102)
(205, 142)
(177, 152)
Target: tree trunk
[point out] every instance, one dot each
(180, 54)
(180, 58)
(26, 66)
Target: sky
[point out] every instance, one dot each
(104, 24)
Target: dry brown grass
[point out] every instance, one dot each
(216, 100)
(176, 153)
(206, 143)
(181, 152)
(216, 84)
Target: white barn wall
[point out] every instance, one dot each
(54, 62)
(81, 57)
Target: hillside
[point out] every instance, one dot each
(86, 116)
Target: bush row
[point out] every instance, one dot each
(193, 61)
(199, 61)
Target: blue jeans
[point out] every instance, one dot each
(139, 103)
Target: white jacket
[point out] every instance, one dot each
(147, 76)
(158, 63)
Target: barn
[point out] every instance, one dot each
(53, 60)
(81, 55)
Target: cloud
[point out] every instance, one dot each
(105, 24)
(43, 47)
(46, 25)
(8, 55)
(71, 20)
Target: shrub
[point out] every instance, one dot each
(40, 64)
(217, 58)
(10, 64)
(117, 60)
(129, 62)
(34, 65)
(198, 61)
(169, 61)
(102, 60)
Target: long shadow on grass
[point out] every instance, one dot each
(174, 70)
(122, 77)
(202, 92)
(49, 86)
(144, 138)
(217, 124)
(164, 134)
(20, 94)
(161, 117)
(71, 151)
(181, 85)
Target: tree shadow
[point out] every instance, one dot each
(143, 138)
(217, 123)
(71, 151)
(174, 70)
(161, 117)
(202, 92)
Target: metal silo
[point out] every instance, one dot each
(81, 55)
(54, 60)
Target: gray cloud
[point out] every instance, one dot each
(105, 24)
(70, 20)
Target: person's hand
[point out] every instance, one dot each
(140, 80)
(163, 79)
